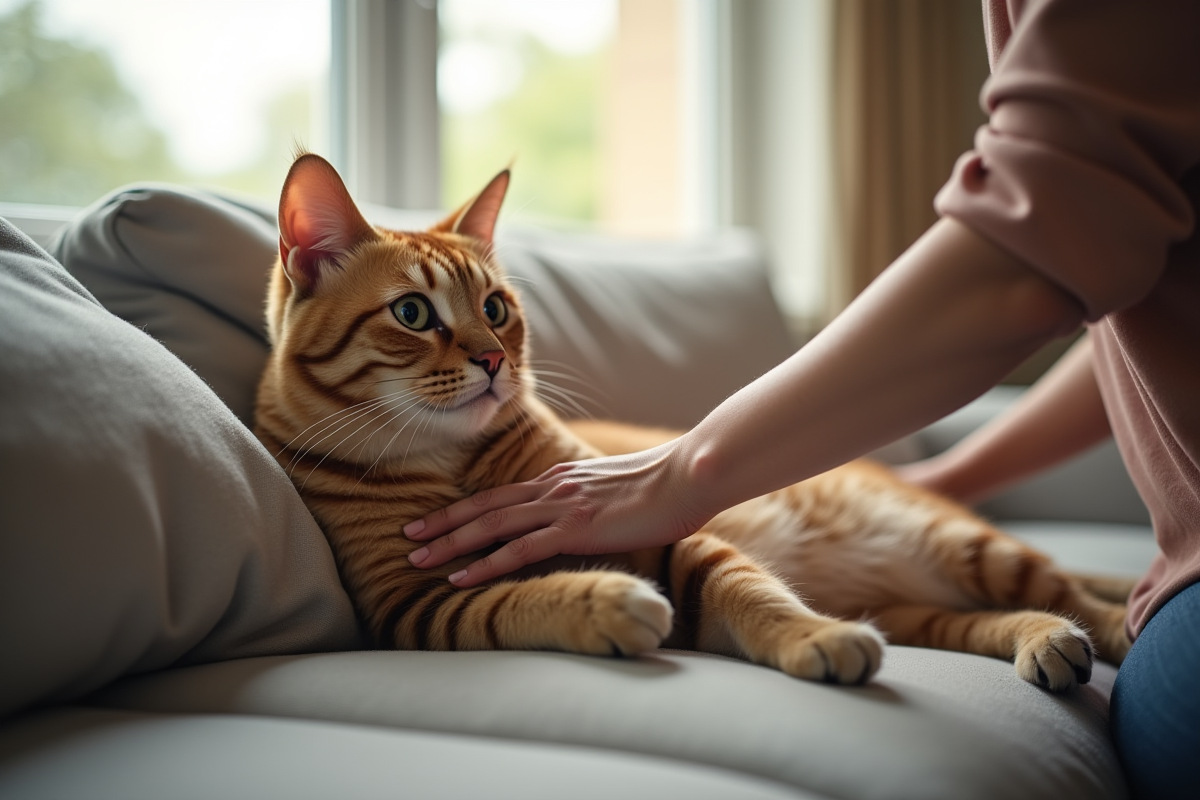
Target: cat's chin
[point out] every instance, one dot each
(473, 415)
(468, 418)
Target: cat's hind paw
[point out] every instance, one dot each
(1057, 656)
(839, 652)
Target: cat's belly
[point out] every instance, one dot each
(845, 554)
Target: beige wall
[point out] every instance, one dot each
(836, 122)
(641, 185)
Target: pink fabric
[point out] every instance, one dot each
(1089, 170)
(997, 27)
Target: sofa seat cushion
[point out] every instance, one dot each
(931, 725)
(120, 755)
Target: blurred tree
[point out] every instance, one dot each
(549, 125)
(69, 129)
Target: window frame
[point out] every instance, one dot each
(383, 108)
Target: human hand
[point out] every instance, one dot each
(603, 505)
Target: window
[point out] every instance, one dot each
(96, 94)
(643, 117)
(522, 81)
(586, 98)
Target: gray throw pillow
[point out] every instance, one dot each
(141, 524)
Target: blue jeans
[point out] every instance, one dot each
(1155, 707)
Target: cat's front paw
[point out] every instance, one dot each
(627, 616)
(837, 652)
(1055, 656)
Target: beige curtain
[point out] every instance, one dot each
(907, 75)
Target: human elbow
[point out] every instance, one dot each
(1040, 310)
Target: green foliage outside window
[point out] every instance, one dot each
(548, 129)
(70, 130)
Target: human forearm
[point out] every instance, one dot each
(944, 323)
(1060, 416)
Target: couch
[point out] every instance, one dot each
(172, 623)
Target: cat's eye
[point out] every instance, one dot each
(495, 310)
(413, 311)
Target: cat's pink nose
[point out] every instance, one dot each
(490, 361)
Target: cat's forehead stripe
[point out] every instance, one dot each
(427, 273)
(436, 257)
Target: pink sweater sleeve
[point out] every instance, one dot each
(1094, 120)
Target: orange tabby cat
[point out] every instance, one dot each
(399, 382)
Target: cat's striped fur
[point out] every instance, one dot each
(399, 382)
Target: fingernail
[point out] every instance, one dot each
(413, 528)
(458, 576)
(417, 556)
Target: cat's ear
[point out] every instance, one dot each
(477, 217)
(318, 222)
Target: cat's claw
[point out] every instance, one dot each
(1057, 660)
(839, 652)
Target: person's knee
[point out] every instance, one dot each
(1155, 705)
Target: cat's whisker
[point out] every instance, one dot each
(348, 409)
(388, 446)
(562, 400)
(385, 411)
(340, 411)
(565, 411)
(562, 390)
(525, 425)
(571, 369)
(586, 389)
(345, 417)
(363, 409)
(577, 401)
(548, 373)
(392, 413)
(413, 437)
(572, 375)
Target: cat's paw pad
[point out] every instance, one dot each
(628, 616)
(1057, 657)
(837, 652)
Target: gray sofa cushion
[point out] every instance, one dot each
(142, 524)
(1092, 487)
(931, 725)
(651, 332)
(115, 755)
(188, 268)
(1096, 548)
